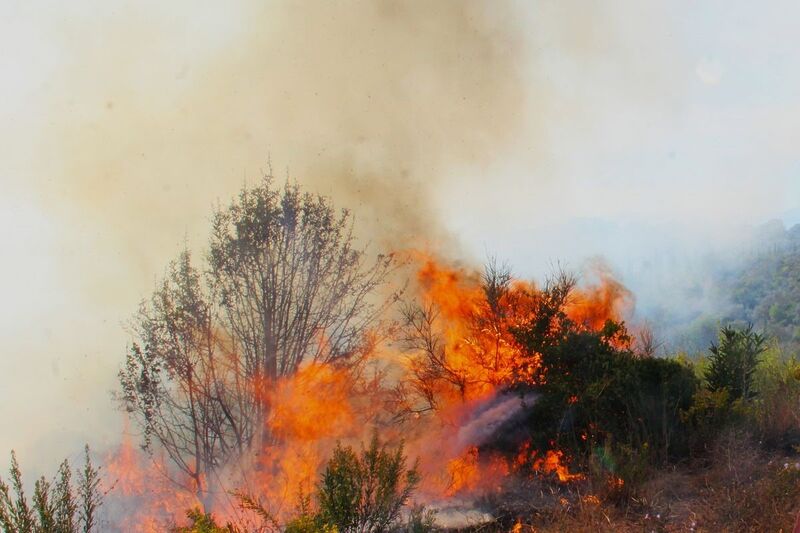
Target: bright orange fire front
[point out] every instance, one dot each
(141, 485)
(468, 352)
(468, 321)
(463, 354)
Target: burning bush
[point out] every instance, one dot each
(597, 392)
(252, 372)
(356, 493)
(563, 350)
(285, 285)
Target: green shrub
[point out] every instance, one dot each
(309, 524)
(366, 493)
(307, 521)
(709, 413)
(57, 506)
(597, 392)
(733, 361)
(362, 493)
(776, 417)
(201, 522)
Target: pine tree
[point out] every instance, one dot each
(734, 360)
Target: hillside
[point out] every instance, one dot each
(759, 285)
(766, 291)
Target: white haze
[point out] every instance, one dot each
(656, 134)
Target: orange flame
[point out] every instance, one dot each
(478, 355)
(138, 483)
(478, 349)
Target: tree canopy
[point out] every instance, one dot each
(283, 282)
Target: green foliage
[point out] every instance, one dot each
(307, 521)
(732, 363)
(15, 512)
(56, 506)
(44, 507)
(66, 504)
(708, 414)
(598, 391)
(201, 522)
(357, 493)
(777, 381)
(768, 290)
(764, 289)
(750, 386)
(89, 493)
(309, 524)
(366, 492)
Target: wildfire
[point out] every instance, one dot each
(310, 410)
(604, 299)
(141, 491)
(473, 318)
(552, 464)
(471, 472)
(312, 404)
(470, 354)
(465, 356)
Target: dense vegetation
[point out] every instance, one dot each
(359, 493)
(723, 423)
(283, 283)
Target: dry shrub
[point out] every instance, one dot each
(598, 503)
(777, 409)
(746, 491)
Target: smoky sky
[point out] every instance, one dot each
(533, 131)
(142, 118)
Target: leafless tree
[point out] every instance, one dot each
(285, 283)
(646, 343)
(482, 358)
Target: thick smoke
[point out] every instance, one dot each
(538, 132)
(151, 114)
(368, 102)
(484, 422)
